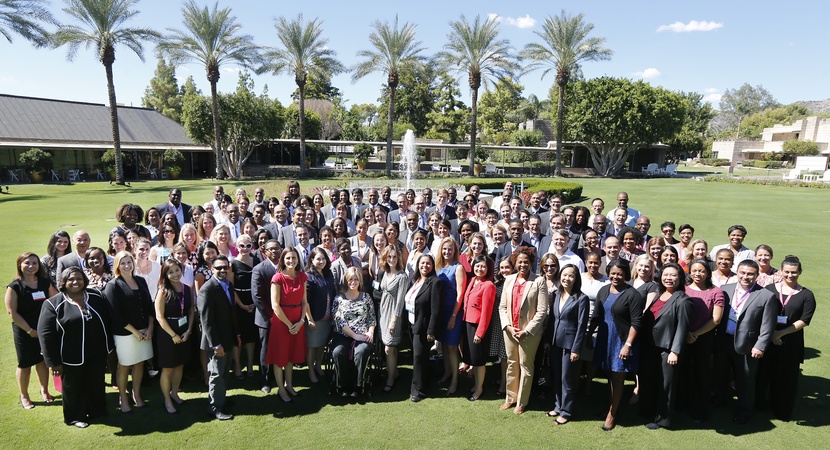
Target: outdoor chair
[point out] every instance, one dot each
(792, 175)
(671, 169)
(13, 176)
(55, 176)
(826, 177)
(455, 168)
(651, 169)
(74, 175)
(492, 169)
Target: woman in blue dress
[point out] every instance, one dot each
(618, 313)
(453, 279)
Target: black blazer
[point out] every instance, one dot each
(671, 326)
(164, 209)
(427, 306)
(505, 250)
(261, 292)
(61, 330)
(217, 316)
(567, 328)
(627, 310)
(128, 306)
(67, 261)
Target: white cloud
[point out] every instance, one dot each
(230, 69)
(694, 25)
(518, 22)
(711, 90)
(649, 73)
(7, 79)
(713, 98)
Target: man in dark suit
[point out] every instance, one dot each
(751, 316)
(80, 242)
(219, 332)
(534, 235)
(261, 294)
(176, 207)
(330, 211)
(409, 227)
(304, 245)
(358, 207)
(516, 241)
(386, 199)
(397, 216)
(286, 236)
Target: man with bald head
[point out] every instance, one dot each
(633, 214)
(80, 244)
(176, 207)
(218, 193)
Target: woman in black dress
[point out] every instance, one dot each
(423, 302)
(321, 289)
(75, 340)
(242, 266)
(24, 298)
(175, 314)
(779, 369)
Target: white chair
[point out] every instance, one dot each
(671, 169)
(492, 169)
(329, 164)
(154, 174)
(651, 169)
(74, 175)
(455, 168)
(13, 176)
(826, 177)
(98, 174)
(163, 174)
(436, 167)
(55, 176)
(349, 165)
(792, 175)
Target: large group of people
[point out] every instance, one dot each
(473, 281)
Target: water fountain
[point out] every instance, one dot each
(409, 157)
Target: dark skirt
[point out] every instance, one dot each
(475, 354)
(27, 347)
(172, 355)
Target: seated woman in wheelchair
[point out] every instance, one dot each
(354, 322)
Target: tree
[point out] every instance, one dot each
(753, 125)
(329, 128)
(800, 148)
(476, 49)
(355, 122)
(531, 108)
(101, 24)
(303, 51)
(449, 115)
(317, 88)
(249, 121)
(394, 51)
(690, 138)
(25, 18)
(163, 93)
(211, 37)
(746, 100)
(566, 44)
(414, 99)
(497, 117)
(614, 117)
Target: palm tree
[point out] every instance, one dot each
(101, 23)
(565, 46)
(211, 38)
(395, 50)
(476, 49)
(25, 18)
(303, 53)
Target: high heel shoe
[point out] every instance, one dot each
(26, 403)
(47, 397)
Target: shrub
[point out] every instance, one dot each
(714, 162)
(173, 158)
(762, 164)
(363, 151)
(765, 182)
(36, 160)
(570, 192)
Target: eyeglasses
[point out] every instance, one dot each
(169, 232)
(220, 268)
(550, 266)
(244, 245)
(271, 249)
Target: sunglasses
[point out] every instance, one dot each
(220, 268)
(169, 232)
(245, 245)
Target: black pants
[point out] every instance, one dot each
(694, 374)
(84, 392)
(264, 368)
(777, 380)
(350, 360)
(420, 364)
(744, 368)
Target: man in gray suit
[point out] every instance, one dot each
(75, 259)
(219, 332)
(261, 295)
(751, 315)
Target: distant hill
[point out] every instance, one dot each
(817, 106)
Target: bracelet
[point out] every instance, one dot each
(628, 344)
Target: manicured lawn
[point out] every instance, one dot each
(791, 220)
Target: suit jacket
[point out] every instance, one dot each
(671, 326)
(478, 309)
(67, 261)
(61, 331)
(757, 321)
(427, 307)
(449, 213)
(396, 217)
(357, 211)
(534, 304)
(567, 328)
(542, 245)
(261, 292)
(128, 308)
(545, 222)
(217, 316)
(404, 237)
(627, 310)
(164, 208)
(286, 237)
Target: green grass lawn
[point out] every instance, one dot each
(791, 220)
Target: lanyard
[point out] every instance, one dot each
(181, 302)
(781, 296)
(742, 299)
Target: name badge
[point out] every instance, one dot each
(182, 321)
(38, 295)
(732, 322)
(782, 320)
(375, 285)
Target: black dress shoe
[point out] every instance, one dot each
(415, 398)
(266, 389)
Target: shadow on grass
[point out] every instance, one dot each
(16, 198)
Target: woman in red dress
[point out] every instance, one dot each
(287, 340)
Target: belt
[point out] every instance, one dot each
(291, 306)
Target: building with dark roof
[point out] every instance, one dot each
(77, 134)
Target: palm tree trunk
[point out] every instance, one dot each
(302, 128)
(389, 121)
(116, 134)
(473, 130)
(220, 172)
(560, 113)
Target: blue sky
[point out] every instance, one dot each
(703, 46)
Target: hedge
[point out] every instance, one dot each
(714, 162)
(767, 182)
(762, 164)
(570, 192)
